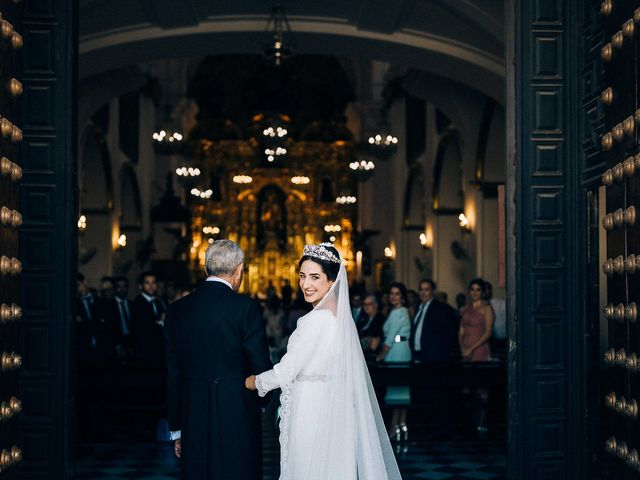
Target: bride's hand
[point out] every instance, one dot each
(250, 382)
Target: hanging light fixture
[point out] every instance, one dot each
(242, 179)
(362, 169)
(277, 51)
(381, 142)
(187, 172)
(300, 180)
(167, 138)
(204, 194)
(346, 200)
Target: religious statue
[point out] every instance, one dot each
(272, 231)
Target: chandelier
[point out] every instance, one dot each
(204, 194)
(242, 179)
(187, 172)
(346, 200)
(277, 51)
(382, 143)
(167, 138)
(300, 180)
(362, 169)
(274, 138)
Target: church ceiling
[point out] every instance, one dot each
(457, 39)
(237, 87)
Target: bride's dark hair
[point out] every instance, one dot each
(331, 269)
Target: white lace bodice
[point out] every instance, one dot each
(308, 353)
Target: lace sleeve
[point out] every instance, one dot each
(301, 346)
(260, 387)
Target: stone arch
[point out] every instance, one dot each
(130, 204)
(448, 166)
(95, 179)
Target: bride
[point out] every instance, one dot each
(330, 427)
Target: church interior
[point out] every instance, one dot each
(471, 143)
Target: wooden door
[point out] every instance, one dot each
(620, 221)
(11, 220)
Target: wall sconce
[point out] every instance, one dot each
(426, 241)
(82, 223)
(122, 242)
(464, 223)
(388, 253)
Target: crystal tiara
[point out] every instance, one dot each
(321, 252)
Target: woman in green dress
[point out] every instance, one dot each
(397, 330)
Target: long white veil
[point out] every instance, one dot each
(353, 419)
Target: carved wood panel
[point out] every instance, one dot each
(47, 237)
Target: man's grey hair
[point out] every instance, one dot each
(373, 298)
(223, 257)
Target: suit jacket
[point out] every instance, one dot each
(374, 329)
(95, 337)
(146, 332)
(214, 339)
(438, 334)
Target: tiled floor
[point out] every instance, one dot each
(419, 459)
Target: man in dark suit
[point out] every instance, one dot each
(432, 328)
(94, 335)
(147, 317)
(215, 339)
(119, 315)
(432, 336)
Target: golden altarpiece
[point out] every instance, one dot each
(273, 196)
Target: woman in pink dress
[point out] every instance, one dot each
(476, 326)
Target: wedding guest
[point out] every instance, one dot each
(370, 325)
(397, 329)
(123, 316)
(95, 350)
(121, 286)
(432, 331)
(95, 333)
(476, 327)
(147, 318)
(443, 298)
(87, 318)
(107, 288)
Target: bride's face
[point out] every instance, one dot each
(313, 282)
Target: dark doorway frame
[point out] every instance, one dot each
(549, 404)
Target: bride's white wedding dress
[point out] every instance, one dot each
(330, 427)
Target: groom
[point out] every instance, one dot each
(215, 339)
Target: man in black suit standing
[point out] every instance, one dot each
(121, 316)
(146, 323)
(215, 339)
(432, 337)
(94, 335)
(432, 328)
